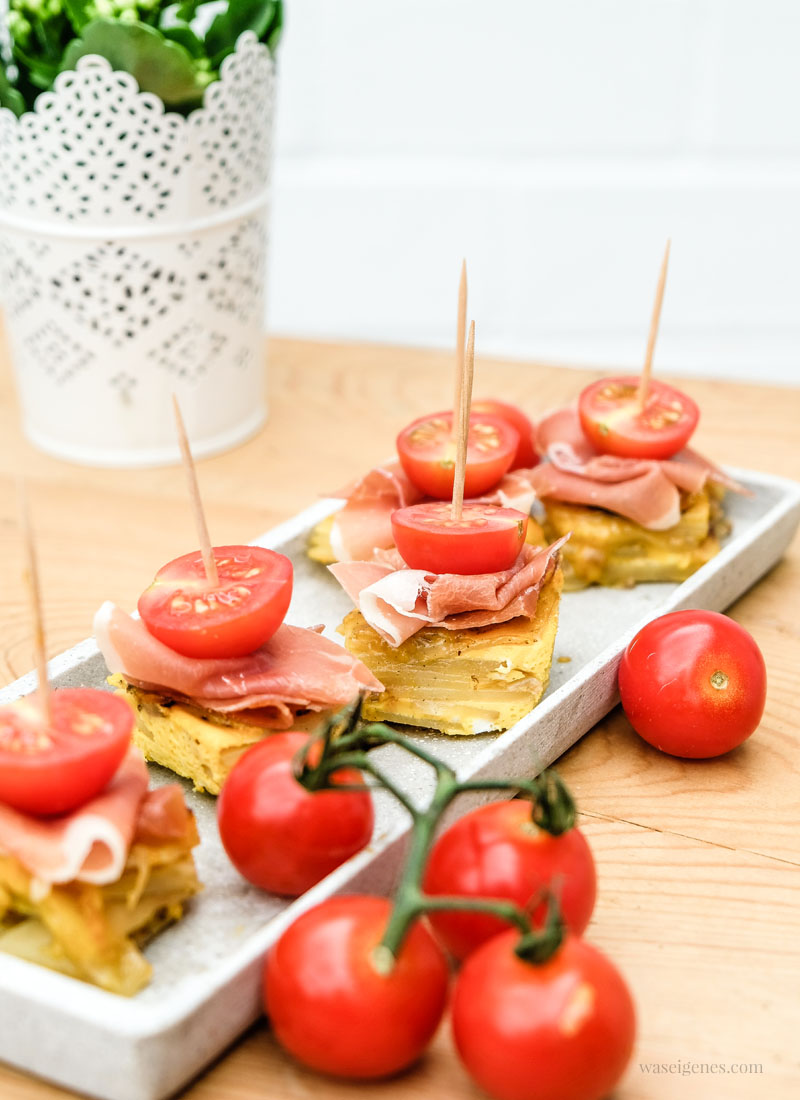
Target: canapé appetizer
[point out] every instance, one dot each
(459, 620)
(638, 503)
(92, 863)
(210, 667)
(499, 457)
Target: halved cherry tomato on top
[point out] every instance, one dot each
(611, 418)
(427, 453)
(243, 611)
(485, 540)
(526, 455)
(52, 768)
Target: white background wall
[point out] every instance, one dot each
(555, 144)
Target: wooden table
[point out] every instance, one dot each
(698, 877)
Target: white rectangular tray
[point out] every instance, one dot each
(205, 991)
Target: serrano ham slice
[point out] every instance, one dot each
(397, 601)
(296, 669)
(88, 845)
(644, 490)
(163, 816)
(364, 523)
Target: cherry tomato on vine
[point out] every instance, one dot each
(693, 683)
(334, 1008)
(558, 1030)
(611, 418)
(486, 539)
(526, 455)
(53, 767)
(427, 453)
(496, 851)
(231, 619)
(281, 836)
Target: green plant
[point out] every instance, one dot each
(173, 49)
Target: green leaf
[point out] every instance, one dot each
(275, 33)
(9, 96)
(183, 34)
(238, 17)
(40, 71)
(164, 68)
(79, 12)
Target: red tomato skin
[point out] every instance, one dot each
(526, 456)
(75, 766)
(227, 631)
(496, 851)
(330, 1008)
(453, 547)
(633, 438)
(562, 1030)
(436, 478)
(280, 836)
(665, 682)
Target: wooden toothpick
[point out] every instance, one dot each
(201, 527)
(467, 372)
(31, 575)
(644, 381)
(461, 338)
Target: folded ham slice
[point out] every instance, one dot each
(647, 491)
(397, 601)
(296, 669)
(364, 523)
(88, 845)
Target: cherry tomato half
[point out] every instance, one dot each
(52, 769)
(243, 611)
(611, 418)
(496, 851)
(693, 683)
(330, 1005)
(558, 1030)
(486, 539)
(526, 455)
(427, 453)
(280, 836)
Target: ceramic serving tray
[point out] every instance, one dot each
(206, 984)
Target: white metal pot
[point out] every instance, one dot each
(132, 262)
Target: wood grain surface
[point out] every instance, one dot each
(699, 886)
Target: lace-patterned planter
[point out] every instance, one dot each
(132, 262)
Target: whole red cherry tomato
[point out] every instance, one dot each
(230, 619)
(427, 453)
(496, 851)
(611, 418)
(333, 1007)
(487, 538)
(526, 455)
(281, 836)
(558, 1030)
(693, 683)
(53, 767)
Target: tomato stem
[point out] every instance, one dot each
(345, 743)
(537, 946)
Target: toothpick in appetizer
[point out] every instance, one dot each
(459, 620)
(500, 453)
(92, 863)
(639, 503)
(210, 666)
